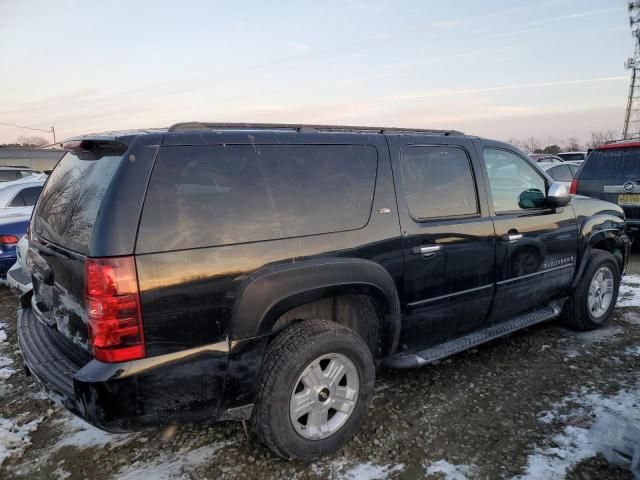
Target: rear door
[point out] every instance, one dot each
(613, 174)
(61, 233)
(536, 245)
(447, 238)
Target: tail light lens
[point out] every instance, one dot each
(113, 309)
(574, 187)
(8, 239)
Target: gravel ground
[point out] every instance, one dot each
(527, 406)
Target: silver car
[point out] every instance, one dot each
(17, 198)
(560, 172)
(18, 276)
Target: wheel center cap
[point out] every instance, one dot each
(323, 395)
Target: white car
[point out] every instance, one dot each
(573, 156)
(18, 197)
(18, 276)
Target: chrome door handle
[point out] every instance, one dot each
(426, 251)
(511, 237)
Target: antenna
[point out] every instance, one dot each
(632, 116)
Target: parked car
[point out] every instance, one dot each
(8, 174)
(18, 276)
(545, 157)
(262, 272)
(11, 230)
(612, 173)
(573, 156)
(562, 173)
(18, 197)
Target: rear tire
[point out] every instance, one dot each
(342, 364)
(595, 295)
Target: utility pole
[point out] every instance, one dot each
(53, 131)
(632, 117)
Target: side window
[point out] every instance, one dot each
(438, 182)
(17, 201)
(223, 195)
(515, 184)
(574, 169)
(560, 173)
(30, 195)
(7, 175)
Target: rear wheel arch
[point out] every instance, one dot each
(351, 290)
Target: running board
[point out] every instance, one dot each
(444, 350)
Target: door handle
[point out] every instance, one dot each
(511, 237)
(426, 251)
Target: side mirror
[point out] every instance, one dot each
(558, 195)
(531, 198)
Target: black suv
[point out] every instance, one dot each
(263, 272)
(612, 173)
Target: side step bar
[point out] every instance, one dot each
(444, 350)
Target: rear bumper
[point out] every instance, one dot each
(181, 387)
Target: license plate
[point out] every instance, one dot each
(629, 199)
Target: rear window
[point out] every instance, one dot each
(70, 200)
(568, 157)
(222, 195)
(612, 164)
(8, 175)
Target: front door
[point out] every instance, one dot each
(448, 240)
(535, 245)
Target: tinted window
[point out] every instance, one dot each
(30, 195)
(221, 195)
(562, 173)
(567, 157)
(71, 199)
(615, 164)
(17, 201)
(8, 175)
(515, 184)
(438, 182)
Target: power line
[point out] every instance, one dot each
(28, 128)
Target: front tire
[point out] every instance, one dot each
(595, 295)
(314, 390)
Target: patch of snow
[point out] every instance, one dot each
(3, 336)
(596, 336)
(15, 438)
(448, 471)
(370, 471)
(61, 474)
(5, 373)
(174, 465)
(629, 292)
(633, 351)
(78, 433)
(576, 441)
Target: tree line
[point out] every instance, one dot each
(571, 144)
(26, 142)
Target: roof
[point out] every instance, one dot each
(619, 144)
(301, 128)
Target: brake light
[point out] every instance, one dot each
(8, 239)
(574, 187)
(112, 300)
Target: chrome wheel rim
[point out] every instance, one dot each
(600, 292)
(324, 396)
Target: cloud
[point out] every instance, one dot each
(576, 15)
(298, 46)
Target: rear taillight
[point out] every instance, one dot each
(8, 239)
(113, 309)
(574, 187)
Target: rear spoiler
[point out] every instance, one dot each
(94, 148)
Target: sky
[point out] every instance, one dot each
(502, 69)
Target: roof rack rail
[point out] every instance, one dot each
(301, 128)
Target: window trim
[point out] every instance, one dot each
(442, 217)
(520, 210)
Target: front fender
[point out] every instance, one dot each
(599, 228)
(268, 293)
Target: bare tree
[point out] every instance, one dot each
(600, 137)
(532, 145)
(33, 142)
(572, 144)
